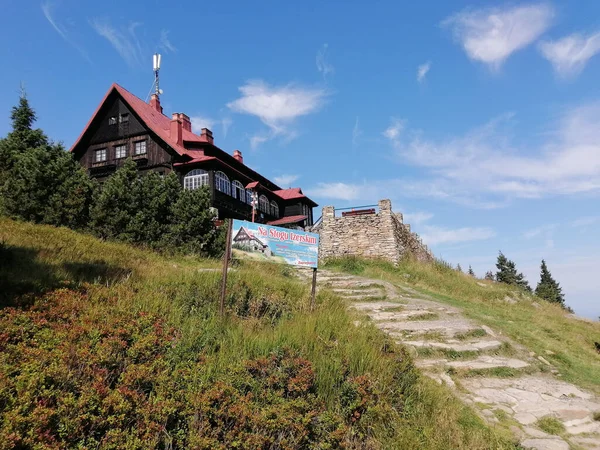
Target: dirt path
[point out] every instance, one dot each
(504, 382)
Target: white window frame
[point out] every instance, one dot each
(274, 209)
(263, 204)
(238, 191)
(138, 146)
(118, 148)
(112, 120)
(249, 196)
(222, 183)
(124, 118)
(195, 179)
(103, 152)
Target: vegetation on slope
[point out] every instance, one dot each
(542, 326)
(106, 346)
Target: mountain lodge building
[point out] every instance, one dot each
(125, 126)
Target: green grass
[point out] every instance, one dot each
(539, 327)
(551, 425)
(267, 311)
(424, 316)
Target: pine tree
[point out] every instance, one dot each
(489, 275)
(507, 273)
(458, 268)
(548, 288)
(471, 271)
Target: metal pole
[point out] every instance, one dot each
(225, 267)
(314, 290)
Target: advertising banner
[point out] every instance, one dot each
(274, 244)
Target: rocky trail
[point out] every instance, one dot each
(503, 381)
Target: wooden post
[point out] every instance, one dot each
(225, 267)
(314, 290)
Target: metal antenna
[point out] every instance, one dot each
(156, 67)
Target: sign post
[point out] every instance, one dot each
(313, 290)
(225, 268)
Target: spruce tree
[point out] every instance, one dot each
(507, 273)
(548, 288)
(471, 271)
(458, 268)
(489, 275)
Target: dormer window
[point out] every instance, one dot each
(112, 120)
(120, 151)
(140, 148)
(100, 155)
(124, 118)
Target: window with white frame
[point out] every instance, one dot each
(120, 151)
(124, 118)
(140, 148)
(100, 155)
(195, 179)
(248, 196)
(274, 209)
(238, 191)
(222, 183)
(263, 204)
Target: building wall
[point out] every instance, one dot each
(381, 235)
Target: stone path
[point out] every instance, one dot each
(503, 381)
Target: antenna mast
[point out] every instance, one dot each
(156, 67)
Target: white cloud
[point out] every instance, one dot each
(124, 40)
(199, 122)
(165, 43)
(417, 217)
(356, 133)
(339, 191)
(277, 107)
(570, 54)
(422, 71)
(226, 123)
(585, 221)
(48, 8)
(258, 139)
(434, 235)
(539, 231)
(393, 131)
(492, 35)
(323, 66)
(285, 180)
(485, 162)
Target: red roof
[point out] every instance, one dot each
(285, 220)
(195, 160)
(289, 194)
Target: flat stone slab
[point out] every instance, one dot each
(449, 327)
(545, 444)
(354, 292)
(456, 346)
(481, 362)
(375, 306)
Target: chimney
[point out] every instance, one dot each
(207, 135)
(177, 129)
(155, 103)
(238, 155)
(185, 119)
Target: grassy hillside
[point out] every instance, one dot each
(107, 346)
(542, 327)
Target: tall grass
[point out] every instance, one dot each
(267, 312)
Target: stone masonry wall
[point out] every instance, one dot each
(381, 235)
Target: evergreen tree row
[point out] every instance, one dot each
(42, 183)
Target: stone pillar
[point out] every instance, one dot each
(328, 213)
(400, 217)
(385, 207)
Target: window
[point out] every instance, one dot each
(100, 155)
(237, 191)
(274, 209)
(263, 204)
(195, 179)
(222, 183)
(112, 120)
(140, 148)
(248, 196)
(120, 151)
(124, 118)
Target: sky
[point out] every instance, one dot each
(479, 120)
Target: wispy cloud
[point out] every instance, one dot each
(323, 66)
(124, 40)
(199, 122)
(339, 191)
(585, 221)
(277, 107)
(491, 35)
(286, 179)
(422, 71)
(434, 235)
(417, 217)
(164, 43)
(356, 133)
(545, 232)
(570, 54)
(393, 131)
(48, 8)
(485, 160)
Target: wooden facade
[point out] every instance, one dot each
(125, 120)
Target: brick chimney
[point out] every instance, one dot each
(177, 129)
(155, 103)
(238, 155)
(185, 119)
(207, 135)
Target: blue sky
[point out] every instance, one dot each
(479, 120)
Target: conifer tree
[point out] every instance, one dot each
(489, 275)
(548, 288)
(471, 271)
(459, 268)
(507, 273)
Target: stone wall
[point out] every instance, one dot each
(382, 235)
